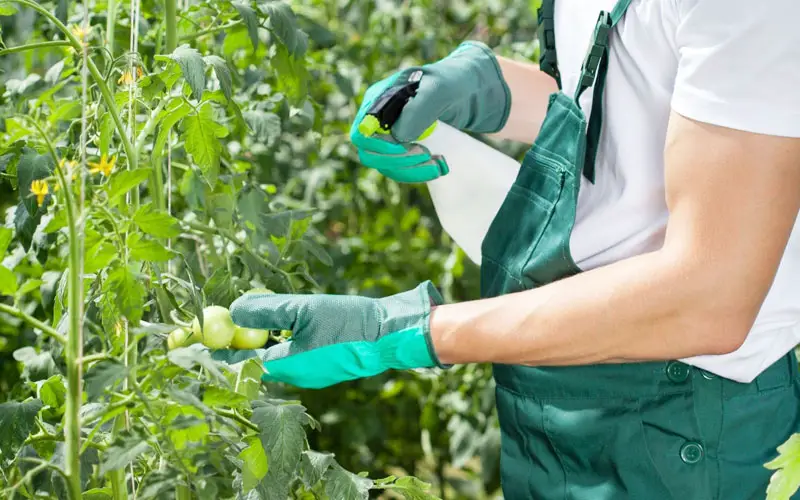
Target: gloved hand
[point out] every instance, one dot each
(336, 338)
(466, 90)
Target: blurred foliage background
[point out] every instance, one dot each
(383, 237)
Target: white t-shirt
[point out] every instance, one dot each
(733, 63)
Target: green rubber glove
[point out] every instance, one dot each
(336, 338)
(466, 90)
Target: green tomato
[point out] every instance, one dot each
(218, 327)
(249, 338)
(181, 337)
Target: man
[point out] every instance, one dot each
(641, 282)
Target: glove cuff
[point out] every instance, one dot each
(431, 297)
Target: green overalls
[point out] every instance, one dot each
(658, 430)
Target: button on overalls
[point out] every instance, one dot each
(660, 430)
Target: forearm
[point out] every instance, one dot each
(530, 89)
(650, 307)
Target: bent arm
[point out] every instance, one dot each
(530, 90)
(733, 198)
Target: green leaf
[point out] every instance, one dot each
(193, 68)
(315, 249)
(5, 239)
(58, 221)
(25, 225)
(106, 126)
(223, 73)
(283, 437)
(786, 480)
(17, 421)
(8, 281)
(340, 483)
(413, 489)
(250, 20)
(7, 9)
(175, 111)
(124, 181)
(215, 397)
(292, 76)
(53, 393)
(31, 167)
(265, 125)
(196, 355)
(219, 288)
(283, 24)
(97, 494)
(250, 379)
(101, 375)
(118, 456)
(157, 223)
(201, 139)
(36, 366)
(255, 465)
(148, 250)
(313, 466)
(128, 292)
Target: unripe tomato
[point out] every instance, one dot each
(181, 337)
(218, 327)
(249, 338)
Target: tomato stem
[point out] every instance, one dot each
(111, 24)
(34, 46)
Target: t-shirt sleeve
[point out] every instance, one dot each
(739, 64)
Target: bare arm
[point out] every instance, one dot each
(733, 198)
(530, 89)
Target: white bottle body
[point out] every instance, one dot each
(469, 196)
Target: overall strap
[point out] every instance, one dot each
(548, 59)
(593, 72)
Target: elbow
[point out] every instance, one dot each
(721, 326)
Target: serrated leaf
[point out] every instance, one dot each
(413, 489)
(283, 24)
(124, 181)
(223, 73)
(8, 281)
(313, 466)
(53, 394)
(128, 292)
(255, 465)
(118, 456)
(340, 483)
(250, 21)
(25, 225)
(786, 479)
(17, 421)
(157, 223)
(201, 139)
(266, 126)
(315, 249)
(102, 375)
(283, 437)
(215, 397)
(54, 72)
(173, 114)
(193, 68)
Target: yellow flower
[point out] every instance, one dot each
(39, 188)
(104, 167)
(125, 79)
(80, 33)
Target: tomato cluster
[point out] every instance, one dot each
(219, 331)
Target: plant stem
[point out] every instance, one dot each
(74, 349)
(210, 31)
(47, 330)
(111, 24)
(235, 416)
(172, 25)
(34, 46)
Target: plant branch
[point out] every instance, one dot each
(235, 416)
(34, 46)
(47, 330)
(210, 31)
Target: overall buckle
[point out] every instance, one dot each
(597, 48)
